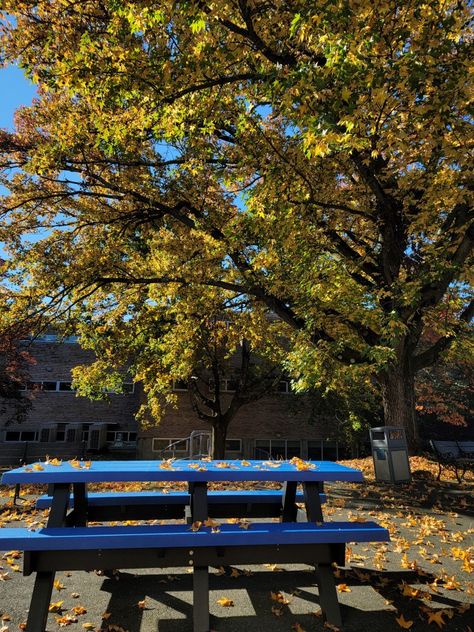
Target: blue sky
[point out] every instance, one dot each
(15, 90)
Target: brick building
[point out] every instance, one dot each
(64, 425)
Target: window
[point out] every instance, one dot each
(44, 435)
(233, 445)
(121, 436)
(283, 386)
(49, 386)
(61, 432)
(323, 450)
(65, 386)
(227, 386)
(21, 435)
(277, 448)
(169, 447)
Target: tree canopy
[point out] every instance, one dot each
(312, 160)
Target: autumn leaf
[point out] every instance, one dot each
(279, 597)
(88, 626)
(343, 588)
(403, 623)
(58, 586)
(79, 610)
(436, 617)
(196, 526)
(225, 602)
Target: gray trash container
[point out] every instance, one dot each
(390, 454)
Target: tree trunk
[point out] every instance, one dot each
(398, 396)
(219, 434)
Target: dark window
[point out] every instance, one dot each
(65, 386)
(233, 445)
(315, 450)
(293, 448)
(70, 435)
(132, 436)
(44, 435)
(28, 435)
(110, 436)
(283, 386)
(49, 386)
(61, 432)
(12, 435)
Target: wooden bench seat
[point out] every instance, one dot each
(155, 504)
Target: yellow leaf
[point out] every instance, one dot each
(196, 525)
(343, 588)
(436, 617)
(225, 602)
(88, 626)
(279, 597)
(403, 623)
(245, 463)
(55, 606)
(142, 604)
(38, 467)
(79, 610)
(57, 584)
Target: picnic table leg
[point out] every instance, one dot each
(312, 501)
(326, 584)
(289, 508)
(200, 512)
(41, 597)
(80, 504)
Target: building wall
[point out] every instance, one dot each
(277, 425)
(54, 361)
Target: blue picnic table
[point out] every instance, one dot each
(69, 542)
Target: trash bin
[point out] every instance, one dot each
(390, 454)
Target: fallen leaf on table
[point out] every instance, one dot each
(403, 623)
(235, 572)
(220, 571)
(211, 523)
(6, 617)
(22, 626)
(57, 584)
(142, 604)
(75, 595)
(88, 626)
(343, 588)
(196, 526)
(37, 467)
(79, 610)
(225, 602)
(55, 606)
(55, 462)
(4, 628)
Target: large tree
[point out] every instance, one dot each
(311, 159)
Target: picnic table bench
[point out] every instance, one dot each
(453, 455)
(71, 544)
(146, 505)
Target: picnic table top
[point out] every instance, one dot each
(76, 471)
